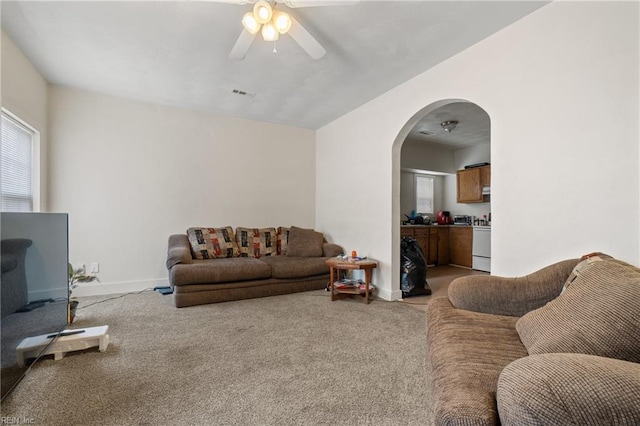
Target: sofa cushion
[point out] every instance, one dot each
(467, 352)
(304, 243)
(296, 267)
(597, 315)
(569, 389)
(256, 242)
(212, 243)
(283, 240)
(212, 271)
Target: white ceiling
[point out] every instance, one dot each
(473, 128)
(176, 52)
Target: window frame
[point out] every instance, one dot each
(417, 177)
(35, 157)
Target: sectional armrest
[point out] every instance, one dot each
(331, 250)
(179, 250)
(569, 389)
(510, 296)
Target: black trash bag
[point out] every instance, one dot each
(413, 269)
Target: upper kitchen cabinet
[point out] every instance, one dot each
(470, 184)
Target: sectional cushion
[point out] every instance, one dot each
(304, 243)
(597, 315)
(256, 242)
(220, 271)
(285, 267)
(212, 243)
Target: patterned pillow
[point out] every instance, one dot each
(283, 240)
(254, 242)
(212, 243)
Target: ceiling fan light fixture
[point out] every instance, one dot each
(262, 11)
(249, 23)
(282, 21)
(449, 125)
(269, 32)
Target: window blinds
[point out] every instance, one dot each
(17, 160)
(424, 194)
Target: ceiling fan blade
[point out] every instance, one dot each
(312, 3)
(306, 40)
(242, 45)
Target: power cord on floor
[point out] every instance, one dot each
(115, 297)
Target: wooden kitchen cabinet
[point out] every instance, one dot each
(443, 246)
(433, 241)
(432, 254)
(406, 232)
(422, 237)
(460, 241)
(470, 183)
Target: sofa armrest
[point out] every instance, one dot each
(510, 296)
(569, 389)
(331, 250)
(179, 250)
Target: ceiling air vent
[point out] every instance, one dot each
(243, 93)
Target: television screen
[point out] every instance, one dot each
(35, 291)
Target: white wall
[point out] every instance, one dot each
(561, 89)
(24, 93)
(130, 174)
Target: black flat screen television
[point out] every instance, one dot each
(35, 291)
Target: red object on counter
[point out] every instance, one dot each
(444, 218)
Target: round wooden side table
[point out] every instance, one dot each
(336, 265)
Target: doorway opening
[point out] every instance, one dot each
(440, 139)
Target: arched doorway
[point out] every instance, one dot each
(471, 144)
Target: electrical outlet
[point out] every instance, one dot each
(95, 267)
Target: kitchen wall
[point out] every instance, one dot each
(408, 193)
(556, 155)
(131, 173)
(24, 93)
(416, 155)
(480, 153)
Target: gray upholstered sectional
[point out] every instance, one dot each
(210, 265)
(560, 346)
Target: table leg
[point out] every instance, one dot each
(331, 284)
(367, 279)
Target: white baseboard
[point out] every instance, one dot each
(100, 289)
(389, 296)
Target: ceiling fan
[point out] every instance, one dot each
(271, 23)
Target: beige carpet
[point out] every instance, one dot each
(294, 359)
(439, 278)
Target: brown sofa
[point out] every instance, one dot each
(559, 346)
(210, 265)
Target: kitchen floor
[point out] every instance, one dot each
(439, 278)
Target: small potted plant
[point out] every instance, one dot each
(77, 276)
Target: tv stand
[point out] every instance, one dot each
(68, 341)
